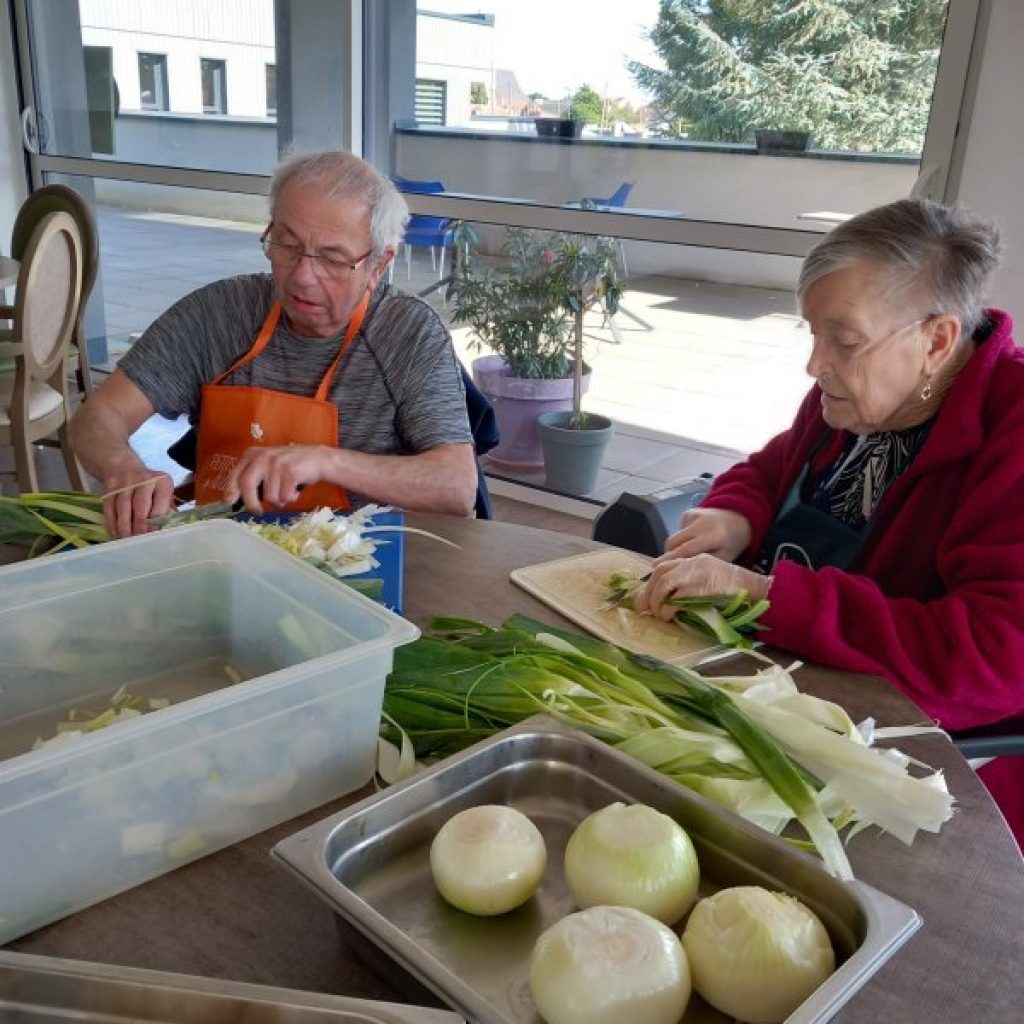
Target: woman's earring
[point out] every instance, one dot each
(926, 391)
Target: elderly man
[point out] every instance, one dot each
(317, 378)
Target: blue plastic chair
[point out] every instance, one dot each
(434, 232)
(616, 199)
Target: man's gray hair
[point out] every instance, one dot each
(943, 254)
(342, 176)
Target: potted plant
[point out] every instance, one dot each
(522, 310)
(574, 442)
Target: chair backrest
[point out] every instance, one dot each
(49, 293)
(426, 188)
(424, 229)
(53, 199)
(621, 194)
(484, 426)
(1003, 738)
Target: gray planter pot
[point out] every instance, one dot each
(559, 127)
(517, 403)
(772, 140)
(573, 458)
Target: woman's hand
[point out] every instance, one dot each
(701, 576)
(712, 531)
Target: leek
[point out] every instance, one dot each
(338, 544)
(46, 522)
(39, 519)
(780, 757)
(729, 618)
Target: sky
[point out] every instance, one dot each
(555, 46)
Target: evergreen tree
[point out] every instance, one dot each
(857, 74)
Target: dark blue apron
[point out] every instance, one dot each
(804, 534)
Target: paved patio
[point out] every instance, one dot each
(704, 373)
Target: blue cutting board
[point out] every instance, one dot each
(390, 553)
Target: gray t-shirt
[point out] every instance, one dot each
(398, 387)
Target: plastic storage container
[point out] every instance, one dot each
(276, 676)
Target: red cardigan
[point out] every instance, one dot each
(934, 601)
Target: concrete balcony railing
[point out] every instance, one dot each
(702, 181)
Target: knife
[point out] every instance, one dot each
(211, 510)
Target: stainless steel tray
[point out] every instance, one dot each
(47, 990)
(371, 864)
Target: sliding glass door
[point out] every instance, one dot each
(716, 153)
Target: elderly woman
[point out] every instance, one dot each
(886, 525)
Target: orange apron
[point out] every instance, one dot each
(234, 419)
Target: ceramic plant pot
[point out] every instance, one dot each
(517, 403)
(573, 457)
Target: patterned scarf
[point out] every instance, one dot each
(851, 488)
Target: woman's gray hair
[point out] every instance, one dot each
(342, 176)
(944, 254)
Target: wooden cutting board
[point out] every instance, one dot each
(575, 587)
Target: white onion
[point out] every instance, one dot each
(488, 860)
(632, 856)
(609, 965)
(756, 955)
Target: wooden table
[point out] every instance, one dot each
(237, 914)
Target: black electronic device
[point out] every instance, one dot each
(643, 522)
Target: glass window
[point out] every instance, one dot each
(180, 53)
(153, 91)
(689, 70)
(759, 118)
(215, 87)
(718, 364)
(271, 89)
(534, 114)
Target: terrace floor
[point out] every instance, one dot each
(704, 372)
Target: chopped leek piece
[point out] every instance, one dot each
(729, 618)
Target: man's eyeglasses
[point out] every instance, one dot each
(326, 263)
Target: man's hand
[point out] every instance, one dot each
(712, 531)
(701, 576)
(100, 433)
(142, 494)
(280, 471)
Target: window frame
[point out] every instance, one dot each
(961, 54)
(218, 67)
(370, 54)
(270, 73)
(161, 81)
